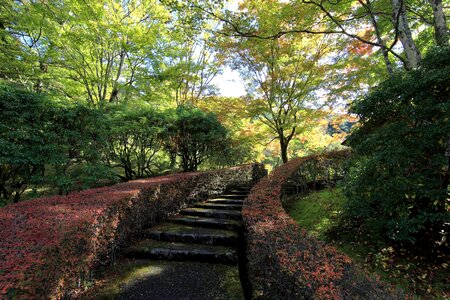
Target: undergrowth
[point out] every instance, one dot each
(318, 212)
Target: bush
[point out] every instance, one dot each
(28, 140)
(134, 141)
(398, 182)
(49, 246)
(81, 142)
(195, 136)
(44, 142)
(284, 262)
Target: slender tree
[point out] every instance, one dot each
(282, 77)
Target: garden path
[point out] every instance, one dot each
(194, 255)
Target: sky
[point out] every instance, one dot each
(229, 83)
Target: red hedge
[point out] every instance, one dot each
(48, 246)
(284, 262)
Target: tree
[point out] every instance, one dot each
(283, 76)
(246, 141)
(134, 140)
(398, 183)
(27, 140)
(81, 142)
(439, 22)
(387, 23)
(93, 51)
(24, 50)
(195, 136)
(48, 143)
(192, 60)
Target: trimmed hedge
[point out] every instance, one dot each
(284, 262)
(49, 246)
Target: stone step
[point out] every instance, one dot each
(218, 206)
(233, 196)
(207, 222)
(151, 249)
(239, 188)
(191, 234)
(225, 201)
(212, 213)
(238, 192)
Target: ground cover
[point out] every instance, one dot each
(424, 277)
(284, 262)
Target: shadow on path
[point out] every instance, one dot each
(194, 255)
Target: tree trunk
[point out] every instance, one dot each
(173, 160)
(39, 85)
(115, 90)
(440, 24)
(400, 21)
(283, 148)
(446, 178)
(380, 41)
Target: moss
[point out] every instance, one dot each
(173, 227)
(123, 275)
(231, 284)
(316, 211)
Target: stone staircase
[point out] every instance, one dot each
(208, 231)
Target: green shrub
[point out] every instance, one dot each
(134, 141)
(195, 136)
(27, 140)
(45, 142)
(284, 261)
(398, 181)
(81, 142)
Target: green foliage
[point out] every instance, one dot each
(27, 140)
(64, 147)
(398, 183)
(92, 52)
(134, 140)
(81, 141)
(47, 143)
(316, 212)
(195, 136)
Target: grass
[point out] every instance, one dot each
(318, 212)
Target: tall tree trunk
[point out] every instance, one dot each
(440, 24)
(383, 48)
(283, 148)
(173, 160)
(115, 90)
(380, 41)
(400, 21)
(39, 85)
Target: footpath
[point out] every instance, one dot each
(193, 255)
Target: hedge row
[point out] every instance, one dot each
(284, 262)
(49, 246)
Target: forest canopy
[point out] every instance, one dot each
(98, 91)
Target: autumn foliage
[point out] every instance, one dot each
(284, 262)
(49, 246)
